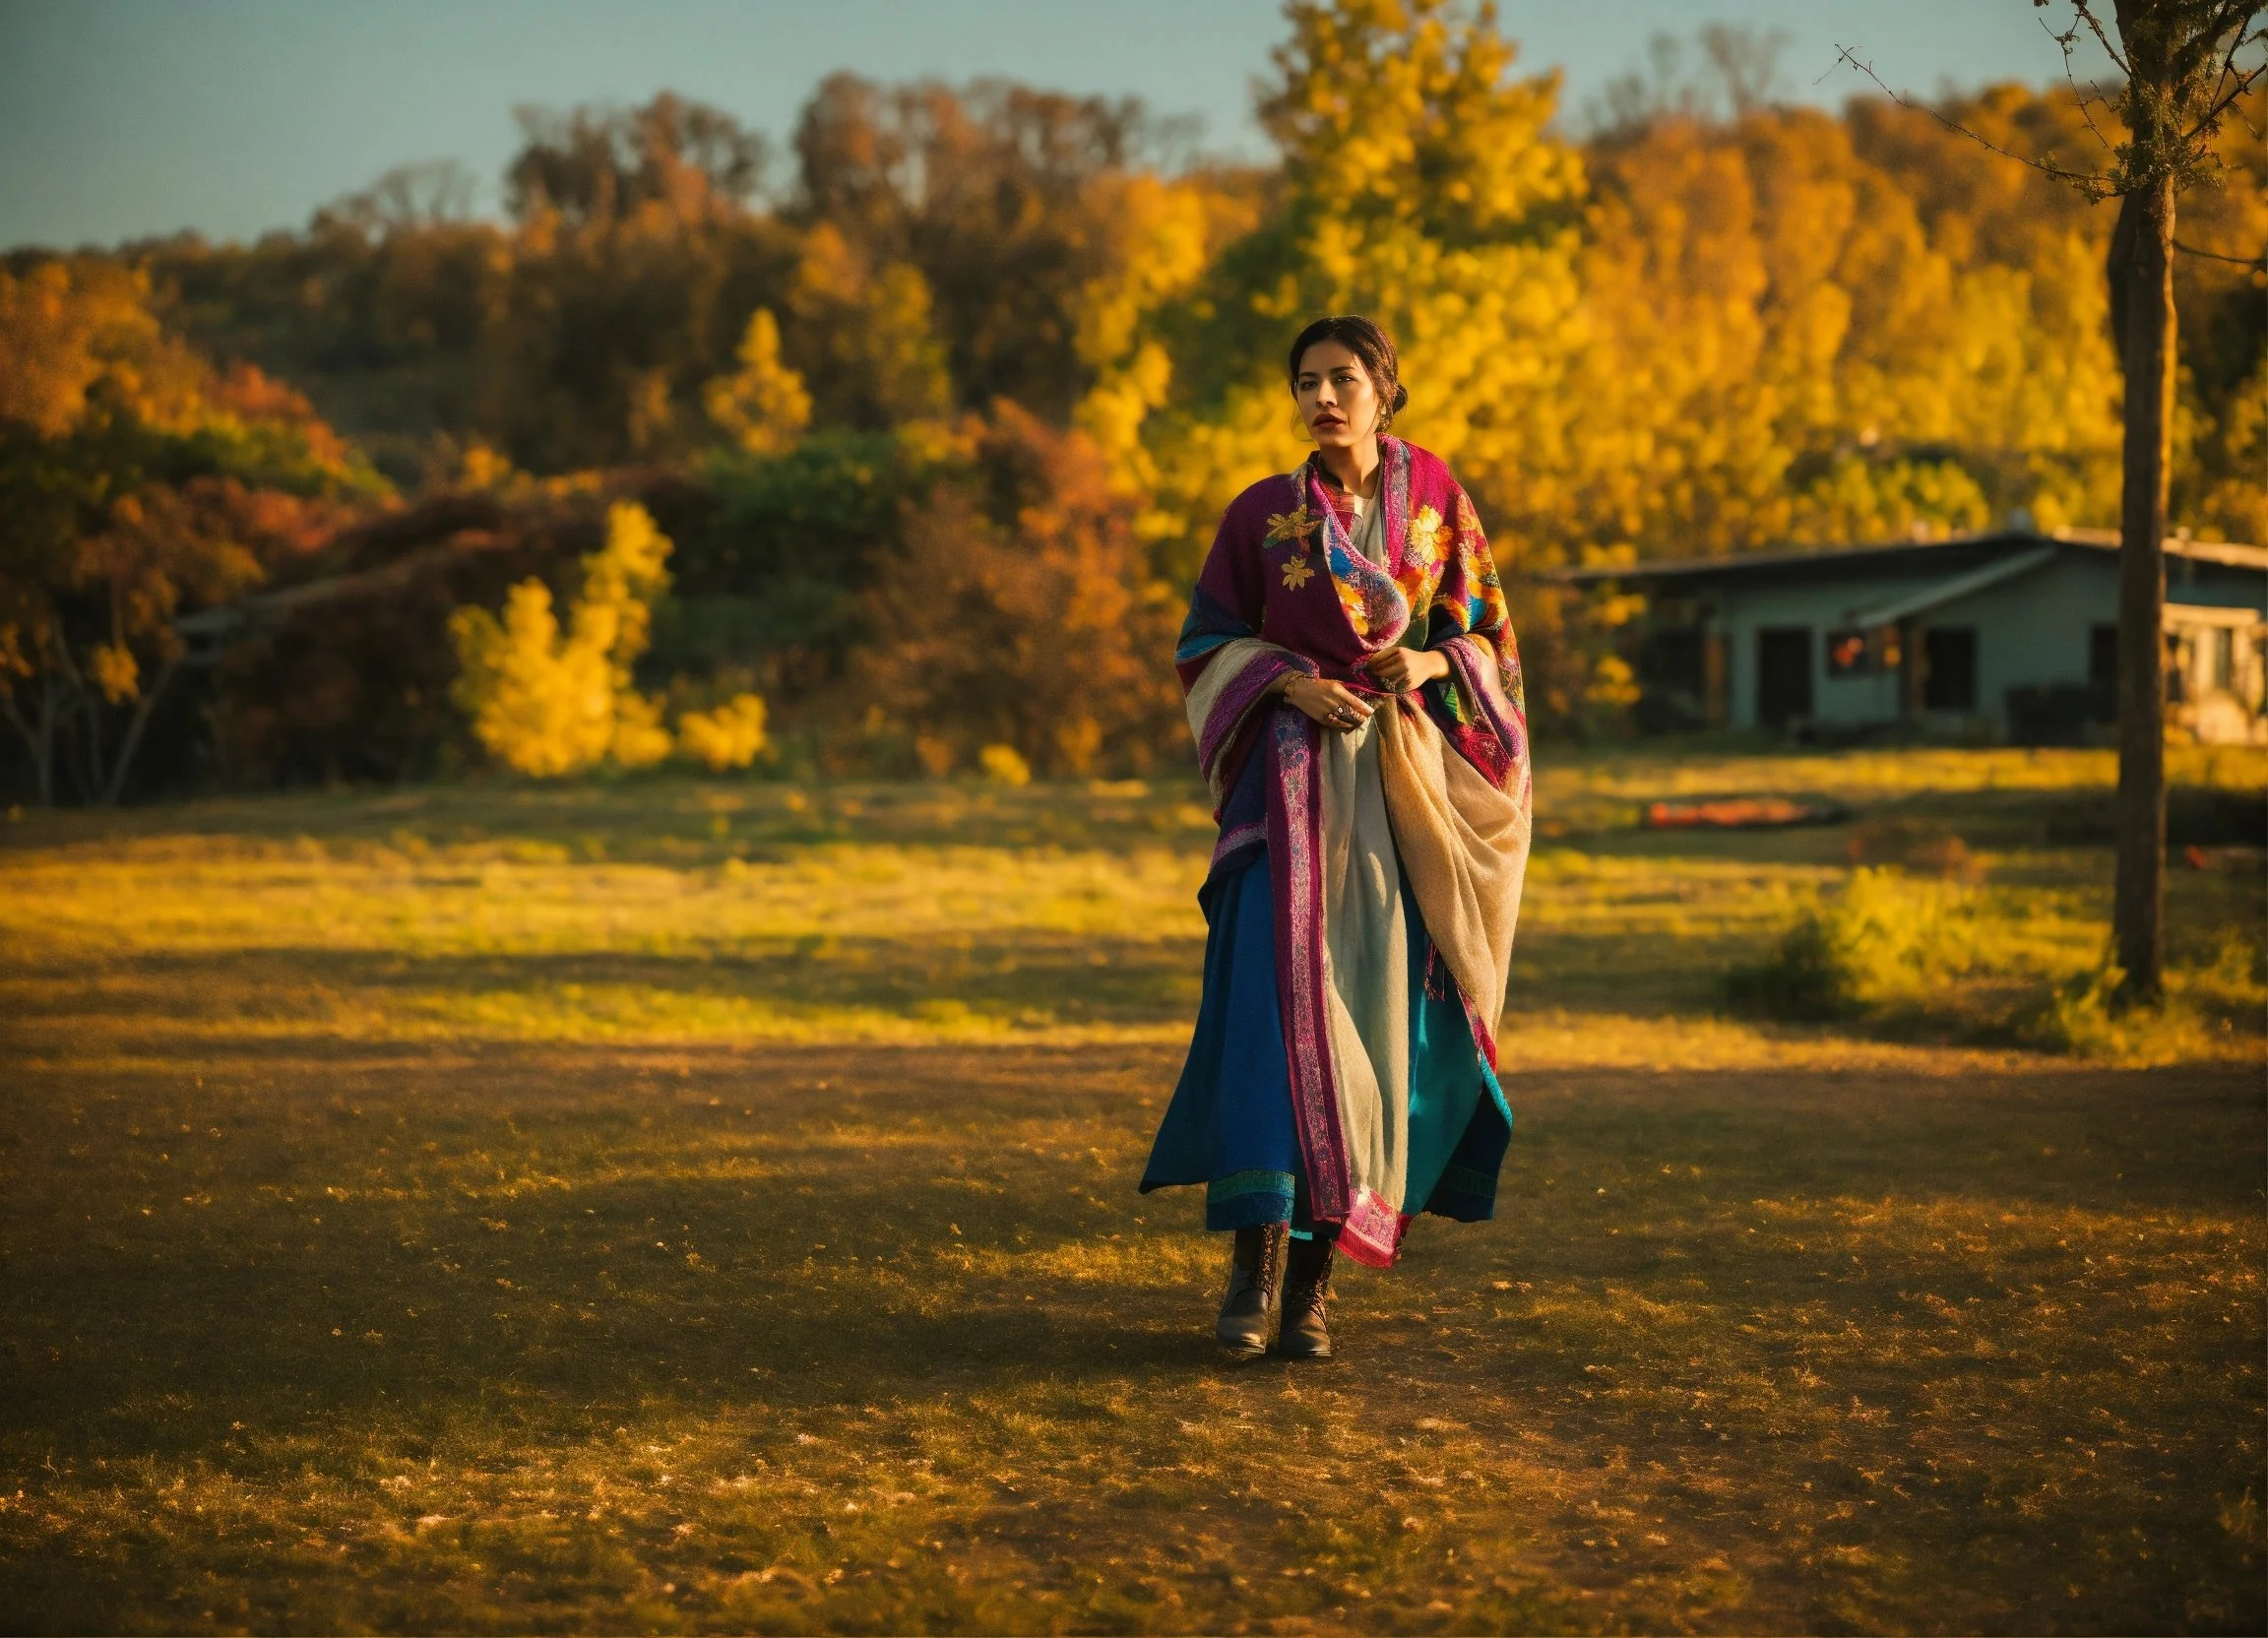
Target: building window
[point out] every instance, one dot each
(1782, 674)
(2224, 659)
(1851, 654)
(1949, 668)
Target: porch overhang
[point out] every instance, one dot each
(1946, 591)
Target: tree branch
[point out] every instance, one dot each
(2260, 262)
(2237, 16)
(2094, 184)
(2211, 117)
(2087, 17)
(2084, 97)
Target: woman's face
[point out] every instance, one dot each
(1336, 398)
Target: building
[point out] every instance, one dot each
(2010, 635)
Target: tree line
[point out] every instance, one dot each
(935, 409)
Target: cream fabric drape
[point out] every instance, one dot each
(1366, 964)
(1464, 846)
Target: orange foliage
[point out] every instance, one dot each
(1019, 614)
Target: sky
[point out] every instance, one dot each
(126, 118)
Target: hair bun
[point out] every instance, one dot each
(1401, 399)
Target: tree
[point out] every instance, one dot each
(1000, 195)
(763, 406)
(547, 703)
(1020, 614)
(1738, 74)
(1419, 185)
(590, 164)
(730, 736)
(2182, 78)
(136, 481)
(432, 193)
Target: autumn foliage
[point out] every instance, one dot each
(1021, 614)
(547, 700)
(997, 355)
(137, 480)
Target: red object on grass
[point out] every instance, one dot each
(1739, 813)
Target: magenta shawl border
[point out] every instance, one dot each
(1234, 705)
(1373, 1233)
(1235, 840)
(1504, 748)
(1295, 863)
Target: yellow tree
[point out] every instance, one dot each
(547, 703)
(1419, 186)
(730, 736)
(1788, 341)
(764, 405)
(1164, 237)
(865, 333)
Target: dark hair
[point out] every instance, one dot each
(1368, 342)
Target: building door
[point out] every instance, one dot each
(2103, 658)
(2103, 672)
(1949, 668)
(1782, 674)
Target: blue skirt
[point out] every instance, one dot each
(1230, 1124)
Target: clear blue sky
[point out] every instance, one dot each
(120, 118)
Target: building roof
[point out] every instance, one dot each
(1960, 554)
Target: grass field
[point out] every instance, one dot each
(677, 1206)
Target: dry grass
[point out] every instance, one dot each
(700, 1207)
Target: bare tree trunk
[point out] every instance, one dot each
(45, 752)
(2138, 913)
(37, 741)
(133, 740)
(81, 698)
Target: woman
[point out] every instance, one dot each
(1354, 688)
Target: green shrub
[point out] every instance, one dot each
(2087, 1016)
(1943, 959)
(1883, 939)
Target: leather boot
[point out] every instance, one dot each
(1249, 1307)
(1306, 1333)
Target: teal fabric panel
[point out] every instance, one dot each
(1244, 1198)
(1459, 1121)
(1230, 1114)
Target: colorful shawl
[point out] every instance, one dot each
(1285, 589)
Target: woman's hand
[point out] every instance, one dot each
(1399, 670)
(1333, 704)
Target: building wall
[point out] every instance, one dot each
(2032, 630)
(1745, 610)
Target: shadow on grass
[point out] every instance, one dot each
(665, 820)
(1030, 977)
(1868, 1344)
(1022, 978)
